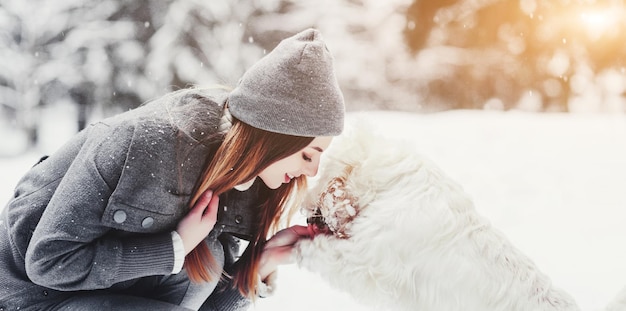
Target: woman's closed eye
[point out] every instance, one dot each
(306, 157)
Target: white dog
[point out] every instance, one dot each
(404, 236)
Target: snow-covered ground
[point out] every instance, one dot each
(555, 184)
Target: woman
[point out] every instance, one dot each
(145, 210)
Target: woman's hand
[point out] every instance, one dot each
(199, 222)
(279, 249)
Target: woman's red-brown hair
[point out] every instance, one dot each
(243, 154)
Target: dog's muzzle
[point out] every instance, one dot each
(317, 224)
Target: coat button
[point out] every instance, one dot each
(119, 216)
(238, 219)
(147, 222)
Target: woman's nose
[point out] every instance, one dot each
(310, 169)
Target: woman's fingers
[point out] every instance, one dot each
(282, 255)
(200, 220)
(300, 230)
(202, 202)
(287, 237)
(210, 213)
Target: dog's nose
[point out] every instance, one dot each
(317, 220)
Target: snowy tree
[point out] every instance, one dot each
(85, 52)
(204, 43)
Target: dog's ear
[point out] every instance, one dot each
(359, 126)
(358, 134)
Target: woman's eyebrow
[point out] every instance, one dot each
(317, 148)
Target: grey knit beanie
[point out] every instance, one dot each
(292, 90)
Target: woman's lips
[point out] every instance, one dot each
(288, 178)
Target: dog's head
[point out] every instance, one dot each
(334, 209)
(330, 205)
(356, 169)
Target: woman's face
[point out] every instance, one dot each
(305, 161)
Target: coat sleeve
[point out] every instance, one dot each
(74, 246)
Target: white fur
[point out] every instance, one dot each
(619, 302)
(413, 240)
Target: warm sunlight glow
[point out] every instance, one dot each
(599, 20)
(584, 23)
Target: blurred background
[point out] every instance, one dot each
(64, 64)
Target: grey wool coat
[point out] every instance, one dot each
(97, 214)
